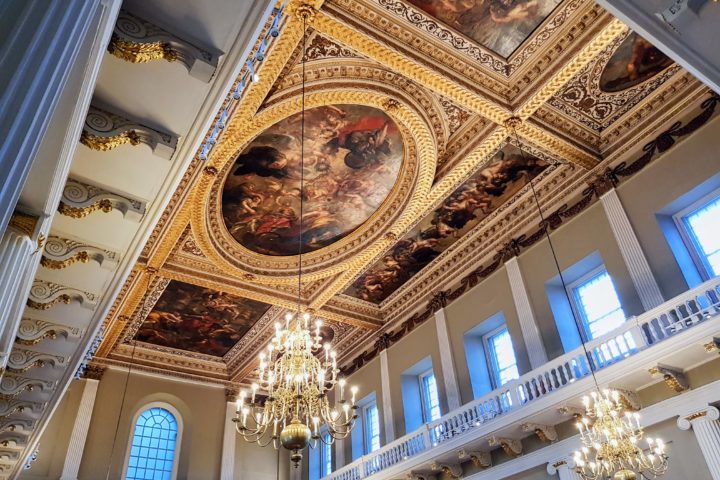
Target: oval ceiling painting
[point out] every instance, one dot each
(353, 154)
(634, 61)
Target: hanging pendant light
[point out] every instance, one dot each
(297, 373)
(611, 437)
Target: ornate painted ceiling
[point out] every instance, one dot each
(415, 185)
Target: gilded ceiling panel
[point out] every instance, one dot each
(499, 180)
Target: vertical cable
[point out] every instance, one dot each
(302, 166)
(545, 228)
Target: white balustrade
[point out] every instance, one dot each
(636, 334)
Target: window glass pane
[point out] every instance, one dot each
(150, 445)
(372, 428)
(704, 227)
(599, 305)
(431, 401)
(326, 456)
(502, 357)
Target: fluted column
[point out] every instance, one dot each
(71, 467)
(386, 398)
(564, 469)
(528, 325)
(447, 363)
(707, 431)
(227, 463)
(36, 59)
(16, 255)
(635, 260)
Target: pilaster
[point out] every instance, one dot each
(528, 325)
(227, 465)
(447, 363)
(635, 260)
(705, 425)
(386, 398)
(71, 467)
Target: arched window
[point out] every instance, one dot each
(154, 444)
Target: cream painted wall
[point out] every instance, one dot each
(687, 165)
(485, 300)
(367, 379)
(415, 346)
(50, 463)
(202, 409)
(587, 233)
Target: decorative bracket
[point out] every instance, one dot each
(575, 412)
(479, 459)
(12, 406)
(104, 131)
(16, 424)
(629, 400)
(21, 360)
(713, 346)
(32, 332)
(13, 385)
(139, 41)
(12, 440)
(45, 295)
(673, 378)
(451, 470)
(511, 446)
(81, 199)
(62, 252)
(419, 476)
(546, 433)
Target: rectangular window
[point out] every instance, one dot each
(700, 229)
(325, 455)
(371, 426)
(597, 304)
(501, 356)
(430, 397)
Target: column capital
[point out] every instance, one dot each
(708, 413)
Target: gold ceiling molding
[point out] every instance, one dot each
(408, 198)
(376, 50)
(407, 220)
(592, 49)
(557, 145)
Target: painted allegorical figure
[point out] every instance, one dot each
(352, 157)
(500, 25)
(635, 61)
(480, 195)
(197, 319)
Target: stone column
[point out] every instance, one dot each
(36, 57)
(563, 468)
(71, 467)
(227, 463)
(16, 255)
(635, 261)
(447, 363)
(386, 398)
(706, 426)
(340, 452)
(530, 331)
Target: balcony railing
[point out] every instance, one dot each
(637, 334)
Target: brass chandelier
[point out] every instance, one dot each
(290, 404)
(610, 436)
(611, 442)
